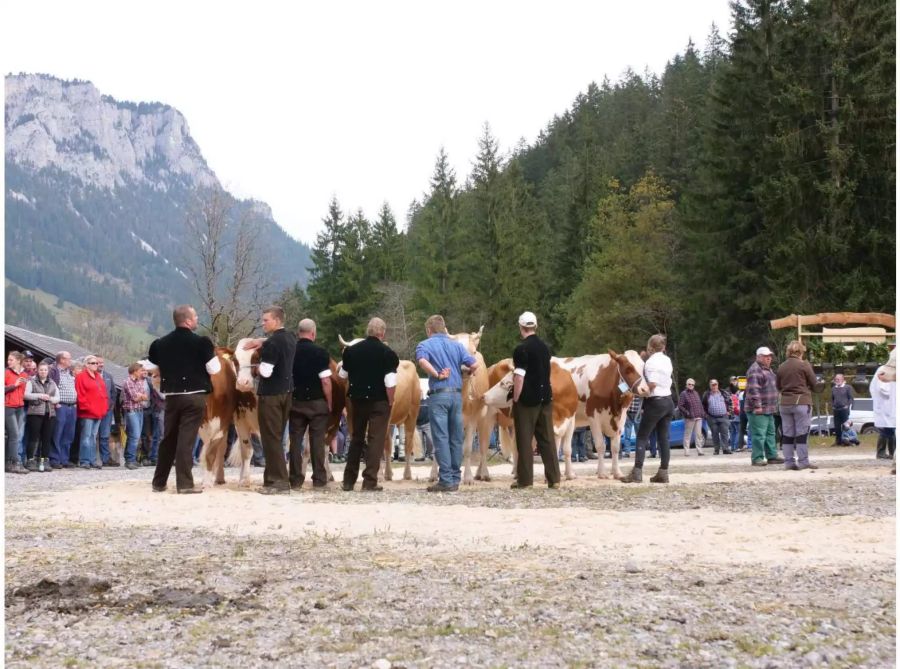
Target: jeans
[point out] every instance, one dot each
(629, 436)
(447, 434)
(656, 419)
(87, 447)
(63, 434)
(103, 433)
(579, 453)
(762, 432)
(134, 425)
(719, 427)
(158, 418)
(23, 437)
(15, 417)
(840, 417)
(734, 432)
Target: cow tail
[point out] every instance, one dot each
(417, 449)
(236, 457)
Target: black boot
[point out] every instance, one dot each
(661, 476)
(635, 476)
(881, 448)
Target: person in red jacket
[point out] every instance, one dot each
(92, 406)
(15, 380)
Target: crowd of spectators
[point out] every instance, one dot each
(63, 413)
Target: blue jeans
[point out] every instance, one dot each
(63, 434)
(87, 447)
(734, 427)
(157, 434)
(103, 432)
(579, 452)
(445, 418)
(134, 425)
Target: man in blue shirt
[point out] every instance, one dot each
(441, 359)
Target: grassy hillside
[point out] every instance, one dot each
(108, 334)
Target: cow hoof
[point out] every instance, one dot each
(478, 477)
(605, 476)
(245, 483)
(571, 477)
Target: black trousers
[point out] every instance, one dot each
(535, 423)
(657, 416)
(311, 414)
(184, 414)
(274, 413)
(370, 424)
(40, 435)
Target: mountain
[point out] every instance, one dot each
(97, 194)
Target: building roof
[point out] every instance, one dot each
(43, 346)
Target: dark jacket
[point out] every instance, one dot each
(181, 357)
(366, 364)
(533, 356)
(795, 380)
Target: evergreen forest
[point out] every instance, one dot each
(753, 178)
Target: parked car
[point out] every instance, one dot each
(676, 431)
(861, 413)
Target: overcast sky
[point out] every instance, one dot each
(291, 105)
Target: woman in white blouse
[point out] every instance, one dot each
(656, 411)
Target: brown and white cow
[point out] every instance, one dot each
(226, 405)
(565, 406)
(606, 385)
(404, 412)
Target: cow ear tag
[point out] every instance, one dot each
(622, 386)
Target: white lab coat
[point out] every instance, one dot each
(884, 402)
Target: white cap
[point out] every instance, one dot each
(528, 320)
(146, 364)
(764, 350)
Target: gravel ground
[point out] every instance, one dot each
(84, 594)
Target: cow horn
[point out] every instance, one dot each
(343, 343)
(613, 354)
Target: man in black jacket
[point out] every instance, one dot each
(371, 367)
(276, 381)
(185, 362)
(533, 405)
(311, 405)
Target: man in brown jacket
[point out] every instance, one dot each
(795, 380)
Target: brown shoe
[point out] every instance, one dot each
(661, 476)
(634, 476)
(809, 466)
(517, 485)
(775, 461)
(372, 488)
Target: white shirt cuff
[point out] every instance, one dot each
(519, 371)
(266, 369)
(390, 380)
(343, 373)
(325, 374)
(214, 366)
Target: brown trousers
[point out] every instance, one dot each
(184, 415)
(274, 413)
(370, 424)
(535, 422)
(312, 414)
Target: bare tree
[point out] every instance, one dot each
(404, 327)
(226, 267)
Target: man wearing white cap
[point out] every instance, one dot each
(760, 404)
(533, 405)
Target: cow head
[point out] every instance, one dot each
(470, 340)
(888, 371)
(499, 396)
(247, 364)
(631, 371)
